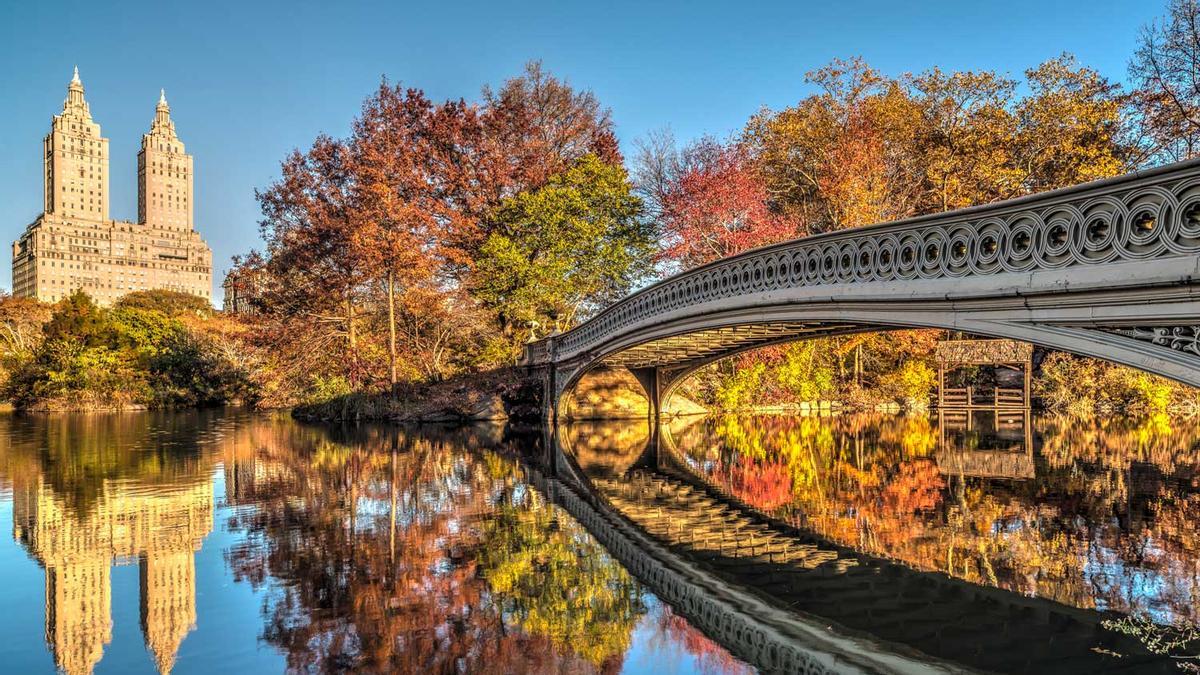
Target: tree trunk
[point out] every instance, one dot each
(391, 293)
(858, 365)
(352, 343)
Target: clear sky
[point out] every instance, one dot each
(248, 81)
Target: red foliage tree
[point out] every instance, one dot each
(717, 206)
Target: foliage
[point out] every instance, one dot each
(803, 372)
(129, 355)
(563, 250)
(870, 148)
(171, 303)
(21, 322)
(440, 236)
(911, 383)
(1078, 384)
(711, 201)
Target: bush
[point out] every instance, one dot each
(130, 355)
(1076, 384)
(911, 384)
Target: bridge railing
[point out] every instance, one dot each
(1138, 216)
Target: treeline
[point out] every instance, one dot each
(869, 148)
(153, 349)
(438, 238)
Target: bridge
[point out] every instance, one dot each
(1108, 269)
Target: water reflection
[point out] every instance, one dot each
(1098, 514)
(1095, 516)
(88, 503)
(208, 541)
(361, 549)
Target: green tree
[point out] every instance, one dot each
(559, 252)
(77, 318)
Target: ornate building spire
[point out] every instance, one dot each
(162, 124)
(75, 103)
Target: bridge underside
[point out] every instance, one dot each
(662, 355)
(704, 346)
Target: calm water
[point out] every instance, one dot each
(226, 541)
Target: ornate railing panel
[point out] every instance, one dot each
(1142, 216)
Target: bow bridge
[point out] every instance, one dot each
(1109, 269)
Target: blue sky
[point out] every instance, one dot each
(249, 81)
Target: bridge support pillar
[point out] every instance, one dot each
(550, 396)
(651, 380)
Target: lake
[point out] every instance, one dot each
(224, 540)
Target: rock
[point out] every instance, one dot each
(681, 405)
(491, 407)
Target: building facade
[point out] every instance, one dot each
(74, 244)
(241, 290)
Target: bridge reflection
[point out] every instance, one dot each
(964, 541)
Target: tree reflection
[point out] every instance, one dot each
(403, 552)
(1100, 514)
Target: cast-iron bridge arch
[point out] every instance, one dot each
(1109, 269)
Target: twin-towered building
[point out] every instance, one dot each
(74, 244)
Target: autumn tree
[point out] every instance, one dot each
(21, 321)
(1072, 127)
(837, 159)
(396, 231)
(868, 148)
(543, 126)
(711, 202)
(314, 273)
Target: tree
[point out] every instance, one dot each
(543, 126)
(76, 318)
(165, 301)
(1167, 94)
(314, 270)
(21, 322)
(397, 235)
(844, 157)
(713, 204)
(440, 329)
(561, 251)
(1071, 127)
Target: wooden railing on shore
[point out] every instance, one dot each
(971, 397)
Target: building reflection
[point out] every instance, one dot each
(86, 498)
